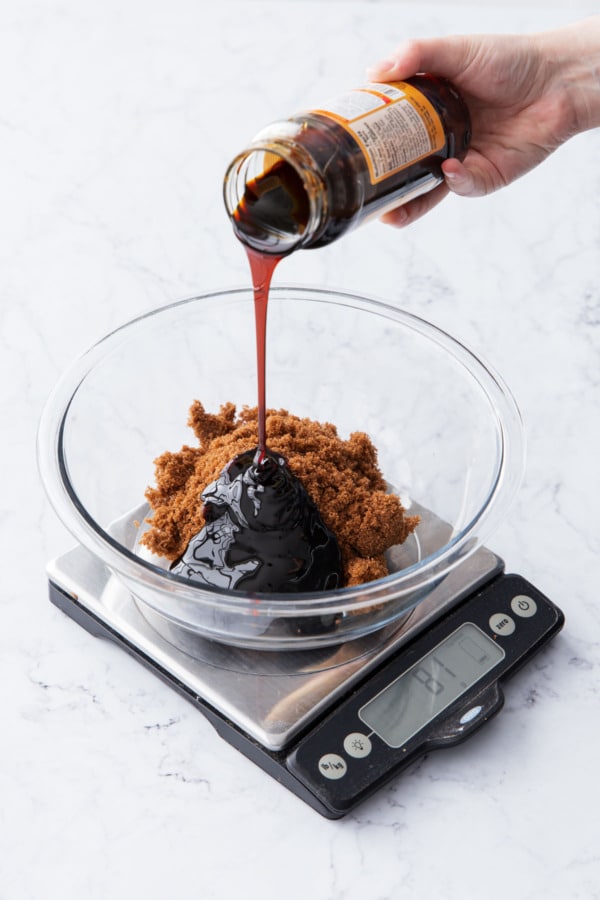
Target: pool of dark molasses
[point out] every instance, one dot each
(262, 532)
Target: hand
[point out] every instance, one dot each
(527, 94)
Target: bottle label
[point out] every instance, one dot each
(394, 124)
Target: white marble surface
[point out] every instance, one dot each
(116, 123)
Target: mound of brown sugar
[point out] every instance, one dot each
(341, 476)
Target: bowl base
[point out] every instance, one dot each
(265, 661)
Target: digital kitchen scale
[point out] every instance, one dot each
(335, 724)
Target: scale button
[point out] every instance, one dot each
(502, 624)
(523, 606)
(332, 766)
(357, 745)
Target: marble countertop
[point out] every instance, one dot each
(116, 123)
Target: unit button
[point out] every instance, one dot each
(523, 606)
(332, 766)
(357, 745)
(502, 624)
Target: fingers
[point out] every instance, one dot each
(402, 63)
(406, 215)
(460, 180)
(475, 177)
(446, 56)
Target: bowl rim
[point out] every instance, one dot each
(63, 497)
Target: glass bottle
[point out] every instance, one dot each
(307, 180)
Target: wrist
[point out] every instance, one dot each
(572, 57)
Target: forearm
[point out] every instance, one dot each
(572, 55)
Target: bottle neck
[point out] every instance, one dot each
(275, 196)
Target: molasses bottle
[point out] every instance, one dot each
(307, 180)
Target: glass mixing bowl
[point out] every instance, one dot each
(447, 430)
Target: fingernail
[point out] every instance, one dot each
(380, 68)
(401, 216)
(461, 183)
(456, 178)
(396, 217)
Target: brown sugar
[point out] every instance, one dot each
(342, 478)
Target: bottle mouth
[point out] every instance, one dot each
(274, 197)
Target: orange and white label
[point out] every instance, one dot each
(394, 124)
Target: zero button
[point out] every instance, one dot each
(502, 624)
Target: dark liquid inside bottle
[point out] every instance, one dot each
(273, 204)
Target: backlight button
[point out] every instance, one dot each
(357, 745)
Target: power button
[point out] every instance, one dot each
(523, 606)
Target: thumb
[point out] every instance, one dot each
(446, 56)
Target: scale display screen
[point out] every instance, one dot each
(439, 678)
